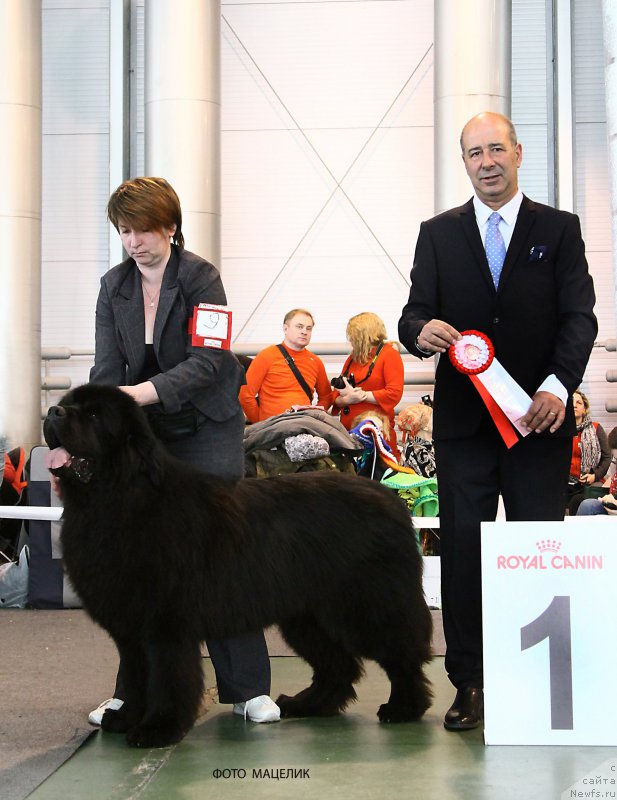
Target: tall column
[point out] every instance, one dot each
(472, 74)
(609, 13)
(182, 112)
(20, 221)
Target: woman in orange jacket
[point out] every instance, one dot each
(373, 376)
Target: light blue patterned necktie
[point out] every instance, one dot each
(495, 247)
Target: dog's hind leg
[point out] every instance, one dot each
(410, 693)
(174, 690)
(334, 671)
(402, 653)
(395, 631)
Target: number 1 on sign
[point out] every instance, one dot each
(554, 623)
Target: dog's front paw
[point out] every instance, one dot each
(285, 703)
(150, 735)
(304, 704)
(115, 721)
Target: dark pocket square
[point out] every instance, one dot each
(539, 252)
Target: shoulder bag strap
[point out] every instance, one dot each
(370, 369)
(296, 372)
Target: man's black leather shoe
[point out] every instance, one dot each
(467, 710)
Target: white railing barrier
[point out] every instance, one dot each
(431, 572)
(31, 512)
(54, 513)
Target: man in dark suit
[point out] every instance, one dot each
(537, 309)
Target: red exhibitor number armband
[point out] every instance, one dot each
(474, 355)
(210, 326)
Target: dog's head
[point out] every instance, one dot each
(98, 432)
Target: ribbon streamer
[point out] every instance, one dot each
(506, 401)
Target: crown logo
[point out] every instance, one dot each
(548, 546)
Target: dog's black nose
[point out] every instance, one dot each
(56, 411)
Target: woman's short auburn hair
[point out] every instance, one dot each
(146, 204)
(364, 332)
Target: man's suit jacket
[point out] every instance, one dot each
(540, 318)
(210, 379)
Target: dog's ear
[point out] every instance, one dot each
(150, 456)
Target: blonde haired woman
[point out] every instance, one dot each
(372, 378)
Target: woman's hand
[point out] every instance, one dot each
(144, 394)
(55, 485)
(351, 395)
(588, 478)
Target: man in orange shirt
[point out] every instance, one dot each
(271, 385)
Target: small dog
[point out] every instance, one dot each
(164, 556)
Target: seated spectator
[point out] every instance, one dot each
(591, 455)
(373, 376)
(601, 505)
(612, 443)
(287, 374)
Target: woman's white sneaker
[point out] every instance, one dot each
(259, 709)
(95, 717)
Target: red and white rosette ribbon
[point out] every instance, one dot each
(474, 355)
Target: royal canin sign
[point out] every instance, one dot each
(549, 557)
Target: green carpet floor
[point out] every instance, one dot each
(351, 757)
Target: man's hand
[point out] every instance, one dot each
(436, 336)
(545, 411)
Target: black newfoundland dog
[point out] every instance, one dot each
(163, 556)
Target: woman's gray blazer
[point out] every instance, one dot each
(208, 378)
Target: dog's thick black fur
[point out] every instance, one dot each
(164, 556)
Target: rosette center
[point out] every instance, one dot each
(472, 353)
